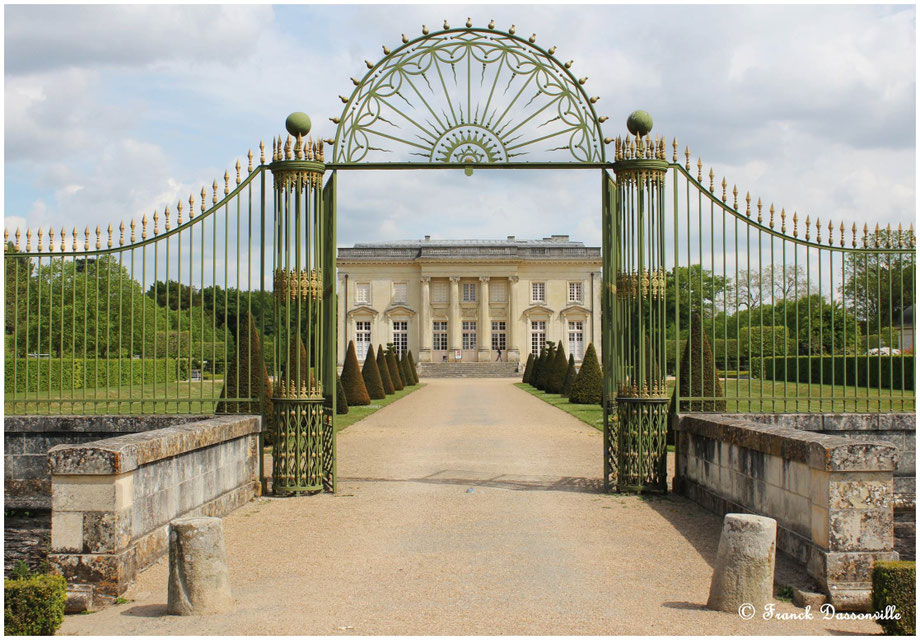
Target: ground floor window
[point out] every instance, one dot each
(362, 339)
(469, 334)
(498, 335)
(577, 339)
(439, 335)
(401, 336)
(537, 336)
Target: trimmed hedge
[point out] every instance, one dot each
(570, 374)
(33, 606)
(352, 380)
(406, 370)
(528, 370)
(546, 366)
(243, 382)
(699, 376)
(538, 363)
(371, 374)
(398, 383)
(557, 370)
(879, 371)
(384, 370)
(86, 373)
(413, 367)
(895, 584)
(341, 401)
(588, 387)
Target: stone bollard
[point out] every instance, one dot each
(744, 564)
(199, 581)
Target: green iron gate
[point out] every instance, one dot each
(122, 328)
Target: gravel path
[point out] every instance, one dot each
(468, 507)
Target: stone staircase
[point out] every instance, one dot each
(468, 370)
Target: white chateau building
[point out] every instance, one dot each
(469, 300)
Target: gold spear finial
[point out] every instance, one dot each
(287, 148)
(6, 235)
(40, 232)
(830, 232)
(807, 228)
(842, 235)
(250, 161)
(910, 235)
(469, 23)
(73, 239)
(772, 211)
(900, 232)
(854, 235)
(51, 239)
(226, 182)
(687, 157)
(674, 157)
(214, 187)
(795, 224)
(191, 206)
(759, 212)
(724, 189)
(18, 236)
(121, 233)
(782, 217)
(179, 213)
(156, 218)
(298, 147)
(204, 197)
(865, 234)
(735, 194)
(888, 235)
(133, 228)
(166, 215)
(712, 180)
(699, 170)
(109, 243)
(143, 229)
(261, 152)
(28, 239)
(274, 149)
(747, 199)
(98, 237)
(818, 230)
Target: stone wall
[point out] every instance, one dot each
(27, 439)
(112, 500)
(832, 497)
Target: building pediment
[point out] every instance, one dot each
(575, 309)
(538, 308)
(363, 309)
(399, 309)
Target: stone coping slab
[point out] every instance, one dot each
(94, 423)
(836, 421)
(817, 450)
(128, 452)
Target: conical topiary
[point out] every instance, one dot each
(289, 370)
(556, 376)
(341, 401)
(384, 370)
(406, 370)
(398, 383)
(371, 374)
(546, 366)
(241, 381)
(528, 369)
(569, 377)
(538, 363)
(588, 387)
(414, 368)
(699, 377)
(352, 380)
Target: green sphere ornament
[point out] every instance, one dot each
(639, 122)
(298, 123)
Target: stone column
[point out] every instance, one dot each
(453, 319)
(514, 350)
(424, 322)
(485, 321)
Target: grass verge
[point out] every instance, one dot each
(590, 414)
(356, 414)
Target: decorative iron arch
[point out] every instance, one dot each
(469, 96)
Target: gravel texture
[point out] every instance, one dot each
(468, 507)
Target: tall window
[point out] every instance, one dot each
(362, 339)
(537, 336)
(399, 292)
(439, 292)
(469, 292)
(400, 336)
(575, 292)
(577, 339)
(439, 342)
(498, 291)
(498, 335)
(538, 292)
(363, 293)
(469, 334)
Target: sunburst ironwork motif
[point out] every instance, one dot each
(469, 96)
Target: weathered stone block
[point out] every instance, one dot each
(67, 532)
(83, 493)
(107, 532)
(743, 571)
(860, 491)
(861, 530)
(820, 522)
(199, 579)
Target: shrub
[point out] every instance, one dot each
(398, 383)
(33, 605)
(555, 377)
(537, 365)
(895, 584)
(371, 374)
(569, 377)
(352, 380)
(546, 366)
(242, 381)
(384, 370)
(414, 368)
(341, 400)
(588, 387)
(879, 371)
(528, 369)
(88, 373)
(699, 376)
(405, 370)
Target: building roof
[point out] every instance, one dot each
(555, 247)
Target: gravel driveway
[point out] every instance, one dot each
(468, 507)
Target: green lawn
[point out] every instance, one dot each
(359, 413)
(199, 398)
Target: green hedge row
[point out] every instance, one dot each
(34, 605)
(894, 584)
(87, 373)
(884, 372)
(733, 352)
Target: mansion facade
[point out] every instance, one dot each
(469, 300)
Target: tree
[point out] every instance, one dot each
(538, 366)
(352, 380)
(528, 369)
(755, 288)
(371, 374)
(398, 383)
(700, 291)
(879, 287)
(414, 368)
(588, 387)
(243, 381)
(384, 368)
(556, 376)
(569, 377)
(699, 377)
(546, 366)
(405, 370)
(341, 400)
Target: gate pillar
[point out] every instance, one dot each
(303, 395)
(640, 406)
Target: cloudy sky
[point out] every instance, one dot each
(113, 111)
